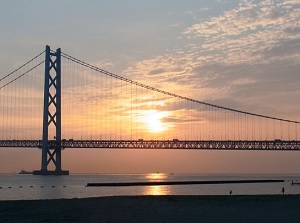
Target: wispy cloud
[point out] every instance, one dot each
(249, 52)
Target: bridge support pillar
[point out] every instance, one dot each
(51, 149)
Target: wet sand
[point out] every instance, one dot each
(266, 208)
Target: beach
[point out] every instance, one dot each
(234, 208)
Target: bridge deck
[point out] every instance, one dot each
(160, 144)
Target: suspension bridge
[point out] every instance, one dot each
(56, 101)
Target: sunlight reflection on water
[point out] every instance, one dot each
(156, 190)
(156, 176)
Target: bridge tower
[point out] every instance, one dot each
(51, 149)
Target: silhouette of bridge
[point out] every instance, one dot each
(88, 107)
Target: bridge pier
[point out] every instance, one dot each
(50, 172)
(51, 150)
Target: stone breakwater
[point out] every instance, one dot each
(160, 183)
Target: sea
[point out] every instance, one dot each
(31, 187)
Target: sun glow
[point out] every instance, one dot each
(153, 120)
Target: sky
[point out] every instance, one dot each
(239, 54)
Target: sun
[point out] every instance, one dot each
(153, 120)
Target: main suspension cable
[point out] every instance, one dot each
(21, 66)
(8, 83)
(168, 93)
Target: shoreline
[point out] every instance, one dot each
(168, 208)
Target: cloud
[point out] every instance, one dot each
(157, 71)
(241, 34)
(248, 52)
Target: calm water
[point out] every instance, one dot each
(29, 187)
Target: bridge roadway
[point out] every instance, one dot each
(161, 144)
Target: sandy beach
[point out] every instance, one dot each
(267, 208)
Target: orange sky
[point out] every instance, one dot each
(238, 54)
